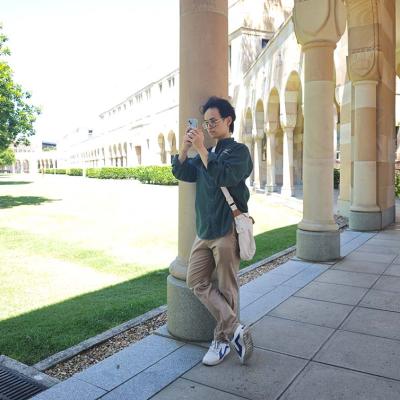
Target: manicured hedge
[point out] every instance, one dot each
(336, 178)
(75, 171)
(397, 183)
(57, 171)
(156, 175)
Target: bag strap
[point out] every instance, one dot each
(229, 198)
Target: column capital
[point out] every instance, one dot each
(319, 21)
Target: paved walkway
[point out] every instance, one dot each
(321, 331)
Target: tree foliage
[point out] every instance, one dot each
(7, 157)
(16, 114)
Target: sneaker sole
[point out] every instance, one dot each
(248, 346)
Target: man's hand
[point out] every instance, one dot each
(196, 137)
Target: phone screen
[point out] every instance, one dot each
(193, 123)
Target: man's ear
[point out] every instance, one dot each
(229, 119)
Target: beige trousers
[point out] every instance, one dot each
(222, 257)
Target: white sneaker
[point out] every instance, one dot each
(216, 353)
(243, 343)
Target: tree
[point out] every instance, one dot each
(7, 158)
(16, 114)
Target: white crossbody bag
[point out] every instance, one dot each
(244, 227)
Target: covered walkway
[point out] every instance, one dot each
(321, 331)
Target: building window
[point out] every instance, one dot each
(264, 43)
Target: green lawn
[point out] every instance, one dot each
(30, 332)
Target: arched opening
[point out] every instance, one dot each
(161, 144)
(248, 138)
(274, 137)
(260, 159)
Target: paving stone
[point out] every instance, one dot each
(393, 270)
(361, 266)
(348, 248)
(125, 364)
(265, 377)
(375, 249)
(380, 299)
(332, 292)
(388, 283)
(358, 279)
(291, 268)
(183, 389)
(364, 353)
(253, 291)
(71, 389)
(348, 236)
(374, 322)
(312, 311)
(306, 276)
(371, 257)
(264, 304)
(159, 375)
(290, 337)
(385, 242)
(323, 382)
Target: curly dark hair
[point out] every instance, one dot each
(223, 106)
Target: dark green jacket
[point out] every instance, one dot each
(229, 166)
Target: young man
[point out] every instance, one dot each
(216, 247)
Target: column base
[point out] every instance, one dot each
(188, 319)
(365, 221)
(388, 216)
(287, 191)
(318, 246)
(343, 207)
(270, 189)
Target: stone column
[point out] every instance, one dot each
(318, 27)
(365, 215)
(288, 175)
(203, 35)
(271, 185)
(345, 150)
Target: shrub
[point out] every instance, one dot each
(156, 175)
(336, 178)
(61, 171)
(75, 172)
(397, 183)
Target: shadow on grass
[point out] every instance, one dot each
(12, 201)
(36, 335)
(6, 183)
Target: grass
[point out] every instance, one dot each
(34, 325)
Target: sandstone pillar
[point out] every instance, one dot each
(203, 72)
(364, 212)
(271, 159)
(288, 175)
(318, 27)
(345, 150)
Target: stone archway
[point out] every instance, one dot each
(291, 122)
(273, 128)
(162, 152)
(248, 137)
(260, 159)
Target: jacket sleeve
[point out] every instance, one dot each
(232, 169)
(185, 171)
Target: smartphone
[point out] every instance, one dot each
(193, 123)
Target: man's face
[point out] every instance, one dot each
(218, 127)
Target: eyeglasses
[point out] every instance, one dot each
(212, 123)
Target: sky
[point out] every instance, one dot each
(78, 58)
